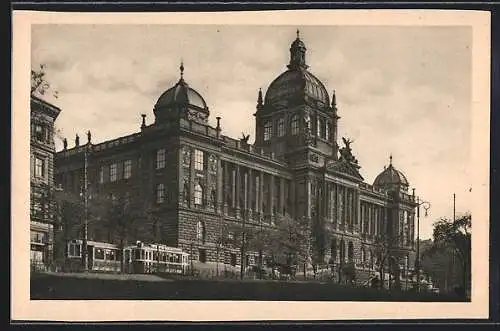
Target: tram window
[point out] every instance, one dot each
(110, 255)
(99, 254)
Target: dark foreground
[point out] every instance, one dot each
(53, 286)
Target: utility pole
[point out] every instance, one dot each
(427, 206)
(454, 215)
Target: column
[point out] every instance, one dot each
(261, 194)
(238, 190)
(282, 196)
(308, 195)
(358, 211)
(293, 199)
(218, 203)
(271, 195)
(245, 192)
(226, 187)
(191, 179)
(370, 216)
(251, 193)
(233, 188)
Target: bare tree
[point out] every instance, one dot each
(39, 84)
(385, 246)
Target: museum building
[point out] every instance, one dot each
(197, 180)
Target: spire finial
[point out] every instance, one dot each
(182, 69)
(390, 159)
(259, 98)
(298, 33)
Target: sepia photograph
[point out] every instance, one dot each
(259, 162)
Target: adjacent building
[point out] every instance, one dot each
(196, 180)
(42, 203)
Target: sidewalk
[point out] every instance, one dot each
(92, 275)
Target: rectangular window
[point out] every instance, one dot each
(101, 175)
(268, 130)
(198, 160)
(74, 250)
(39, 132)
(160, 158)
(113, 174)
(203, 255)
(37, 237)
(160, 193)
(99, 254)
(110, 255)
(233, 259)
(281, 127)
(127, 169)
(39, 167)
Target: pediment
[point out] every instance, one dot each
(346, 168)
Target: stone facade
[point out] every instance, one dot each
(42, 212)
(197, 180)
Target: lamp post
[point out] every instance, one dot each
(426, 205)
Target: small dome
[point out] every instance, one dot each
(182, 94)
(391, 176)
(293, 82)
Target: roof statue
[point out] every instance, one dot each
(244, 138)
(346, 151)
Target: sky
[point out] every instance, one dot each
(404, 91)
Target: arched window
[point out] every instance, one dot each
(363, 255)
(198, 194)
(200, 231)
(328, 130)
(281, 127)
(268, 130)
(294, 125)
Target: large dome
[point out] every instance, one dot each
(390, 176)
(295, 81)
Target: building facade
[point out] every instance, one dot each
(42, 152)
(197, 180)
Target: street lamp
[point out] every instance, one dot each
(426, 205)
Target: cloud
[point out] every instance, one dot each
(400, 90)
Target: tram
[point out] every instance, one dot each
(138, 259)
(102, 256)
(148, 258)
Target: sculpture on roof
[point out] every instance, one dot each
(244, 138)
(346, 151)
